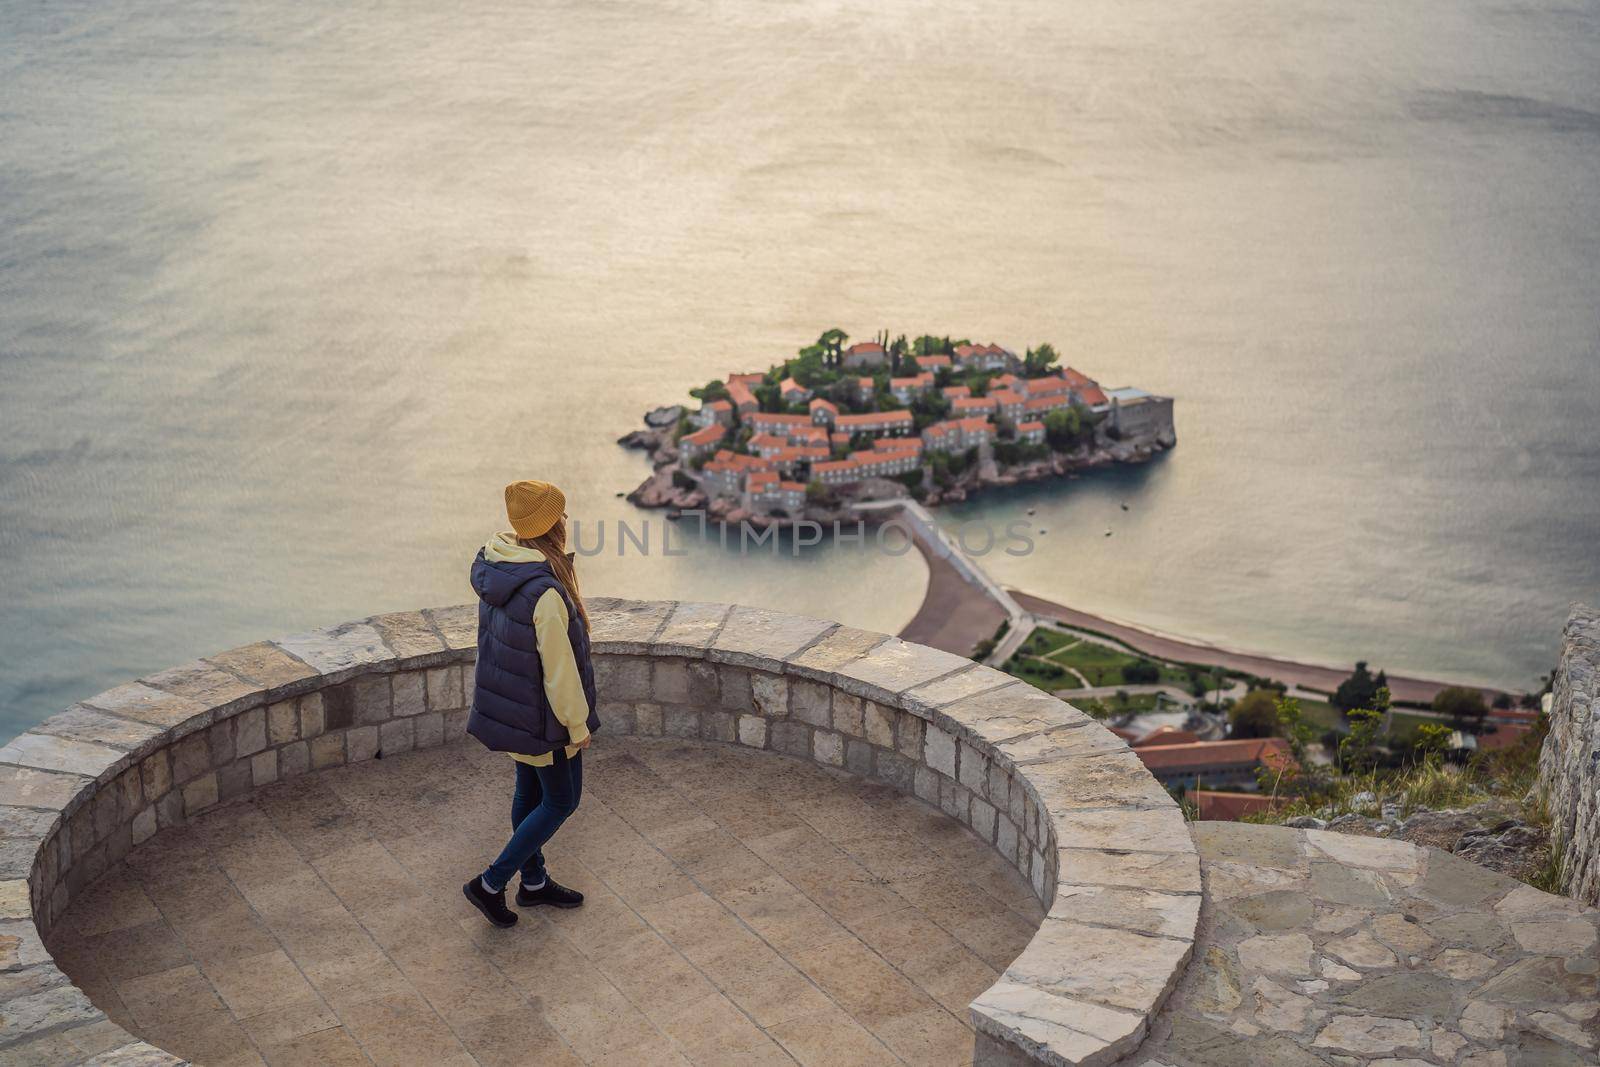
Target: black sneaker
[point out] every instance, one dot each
(493, 905)
(557, 896)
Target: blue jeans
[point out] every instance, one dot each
(543, 799)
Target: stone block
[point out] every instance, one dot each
(107, 809)
(144, 825)
(705, 684)
(337, 710)
(841, 645)
(265, 665)
(339, 652)
(981, 817)
(264, 767)
(1012, 1016)
(327, 751)
(647, 719)
(396, 736)
(234, 780)
(925, 783)
(455, 724)
(49, 753)
(877, 723)
(209, 686)
(191, 758)
(1141, 910)
(445, 692)
(411, 637)
(374, 699)
(458, 624)
(669, 682)
(1005, 838)
(169, 809)
(973, 768)
(295, 759)
(690, 628)
(1168, 872)
(622, 677)
(848, 715)
(763, 640)
(679, 721)
(908, 731)
(83, 723)
(753, 731)
(858, 756)
(361, 743)
(769, 694)
(629, 626)
(409, 693)
(939, 751)
(618, 717)
(998, 788)
(430, 730)
(811, 702)
(155, 707)
(219, 743)
(953, 799)
(895, 666)
(200, 794)
(717, 725)
(250, 731)
(894, 769)
(790, 738)
(828, 747)
(283, 720)
(734, 686)
(155, 774)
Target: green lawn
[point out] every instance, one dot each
(1037, 672)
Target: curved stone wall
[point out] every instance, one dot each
(1058, 796)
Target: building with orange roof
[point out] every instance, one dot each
(1092, 397)
(984, 357)
(957, 435)
(933, 363)
(864, 354)
(1215, 806)
(1036, 406)
(836, 472)
(954, 391)
(968, 406)
(792, 391)
(823, 411)
(875, 422)
(779, 424)
(1166, 735)
(701, 442)
(744, 401)
(906, 389)
(1031, 433)
(1231, 762)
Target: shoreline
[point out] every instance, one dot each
(954, 616)
(1313, 676)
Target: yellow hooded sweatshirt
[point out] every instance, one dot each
(562, 686)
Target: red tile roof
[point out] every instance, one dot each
(1201, 756)
(873, 418)
(1092, 395)
(824, 403)
(708, 436)
(929, 362)
(1166, 735)
(864, 347)
(1231, 807)
(789, 385)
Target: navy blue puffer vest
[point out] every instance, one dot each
(509, 710)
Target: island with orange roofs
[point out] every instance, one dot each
(933, 419)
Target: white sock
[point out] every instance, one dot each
(487, 888)
(542, 881)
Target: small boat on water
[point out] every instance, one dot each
(1124, 505)
(1108, 533)
(1030, 511)
(1043, 530)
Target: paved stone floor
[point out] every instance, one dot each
(742, 908)
(1328, 950)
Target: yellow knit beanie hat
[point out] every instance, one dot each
(533, 507)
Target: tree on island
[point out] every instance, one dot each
(715, 389)
(1256, 715)
(898, 351)
(1038, 361)
(1360, 689)
(1464, 707)
(832, 344)
(1064, 428)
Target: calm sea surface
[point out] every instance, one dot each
(288, 291)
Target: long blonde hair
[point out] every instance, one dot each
(553, 543)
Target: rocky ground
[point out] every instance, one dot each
(1322, 950)
(1489, 833)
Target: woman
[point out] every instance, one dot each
(533, 696)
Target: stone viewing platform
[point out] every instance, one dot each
(801, 843)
